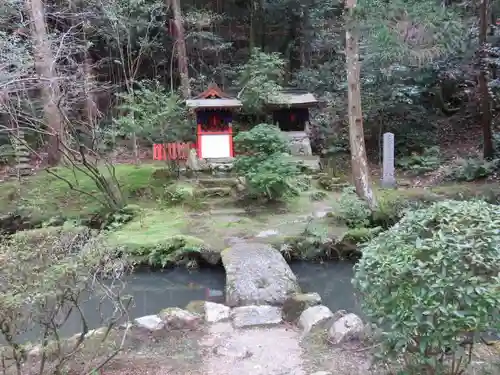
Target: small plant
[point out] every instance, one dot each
(173, 251)
(390, 210)
(432, 282)
(472, 169)
(360, 235)
(177, 194)
(115, 220)
(429, 160)
(263, 161)
(318, 195)
(352, 210)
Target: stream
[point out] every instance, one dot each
(154, 291)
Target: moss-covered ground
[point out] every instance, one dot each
(165, 215)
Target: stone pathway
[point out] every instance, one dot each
(259, 351)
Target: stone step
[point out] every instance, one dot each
(213, 192)
(216, 182)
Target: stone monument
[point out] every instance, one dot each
(388, 179)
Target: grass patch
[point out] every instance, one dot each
(52, 196)
(150, 228)
(157, 238)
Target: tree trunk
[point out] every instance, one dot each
(180, 42)
(484, 95)
(45, 68)
(359, 160)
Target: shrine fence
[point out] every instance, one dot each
(172, 151)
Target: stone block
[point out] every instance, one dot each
(315, 318)
(348, 327)
(150, 322)
(176, 318)
(252, 316)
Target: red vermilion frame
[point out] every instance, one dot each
(200, 132)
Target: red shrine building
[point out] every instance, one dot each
(214, 116)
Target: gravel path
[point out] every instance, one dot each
(262, 351)
(224, 350)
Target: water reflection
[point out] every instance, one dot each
(332, 281)
(154, 291)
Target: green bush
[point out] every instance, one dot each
(263, 160)
(390, 209)
(429, 160)
(432, 279)
(472, 169)
(172, 251)
(352, 210)
(48, 275)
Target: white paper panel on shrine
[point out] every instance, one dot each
(215, 146)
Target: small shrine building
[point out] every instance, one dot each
(214, 116)
(290, 110)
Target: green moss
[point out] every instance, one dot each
(40, 234)
(150, 228)
(52, 195)
(156, 238)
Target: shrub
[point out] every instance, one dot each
(428, 160)
(318, 195)
(46, 279)
(390, 209)
(351, 209)
(472, 169)
(432, 279)
(263, 160)
(172, 251)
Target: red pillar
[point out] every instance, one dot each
(198, 141)
(231, 149)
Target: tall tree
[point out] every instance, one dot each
(484, 94)
(46, 69)
(359, 161)
(180, 42)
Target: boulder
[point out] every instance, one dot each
(150, 322)
(297, 303)
(176, 318)
(210, 311)
(209, 255)
(251, 316)
(257, 274)
(196, 307)
(315, 318)
(348, 327)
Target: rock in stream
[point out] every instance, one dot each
(257, 274)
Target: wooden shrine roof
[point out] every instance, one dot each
(213, 103)
(213, 97)
(293, 99)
